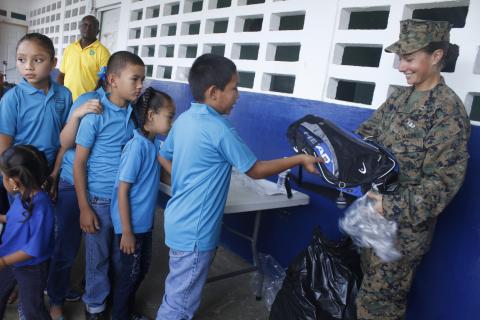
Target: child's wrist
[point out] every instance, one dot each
(127, 232)
(3, 263)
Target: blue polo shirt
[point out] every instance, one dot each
(30, 116)
(105, 135)
(33, 235)
(69, 156)
(203, 146)
(139, 167)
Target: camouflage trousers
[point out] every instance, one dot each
(384, 288)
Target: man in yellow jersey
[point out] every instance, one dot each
(83, 59)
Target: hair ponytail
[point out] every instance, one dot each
(450, 54)
(150, 99)
(451, 57)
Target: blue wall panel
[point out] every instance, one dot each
(447, 285)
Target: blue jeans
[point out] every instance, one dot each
(97, 257)
(31, 282)
(130, 272)
(184, 284)
(68, 236)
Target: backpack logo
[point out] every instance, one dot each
(363, 170)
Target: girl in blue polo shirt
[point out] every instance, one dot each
(34, 111)
(99, 142)
(28, 239)
(134, 199)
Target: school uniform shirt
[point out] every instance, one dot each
(31, 116)
(139, 167)
(69, 156)
(203, 146)
(32, 235)
(105, 135)
(81, 66)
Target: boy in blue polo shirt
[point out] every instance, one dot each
(201, 149)
(100, 140)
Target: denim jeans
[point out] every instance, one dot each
(31, 282)
(129, 274)
(68, 236)
(97, 258)
(184, 284)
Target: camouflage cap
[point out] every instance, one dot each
(417, 34)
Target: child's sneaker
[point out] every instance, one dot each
(95, 316)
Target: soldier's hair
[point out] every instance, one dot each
(151, 99)
(30, 167)
(450, 53)
(210, 70)
(41, 40)
(117, 62)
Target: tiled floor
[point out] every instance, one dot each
(229, 299)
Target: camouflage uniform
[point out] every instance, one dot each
(429, 139)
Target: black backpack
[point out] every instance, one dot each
(352, 164)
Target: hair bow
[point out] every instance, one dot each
(102, 73)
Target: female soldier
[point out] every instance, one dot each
(426, 126)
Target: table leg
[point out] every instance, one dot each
(257, 266)
(256, 258)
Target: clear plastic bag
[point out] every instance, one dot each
(273, 276)
(369, 229)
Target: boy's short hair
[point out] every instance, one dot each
(210, 70)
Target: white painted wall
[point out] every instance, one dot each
(318, 65)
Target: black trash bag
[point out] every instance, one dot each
(321, 283)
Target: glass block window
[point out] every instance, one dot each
(287, 21)
(153, 12)
(150, 32)
(166, 51)
(148, 51)
(149, 70)
(164, 72)
(246, 79)
(188, 51)
(218, 49)
(171, 9)
(134, 33)
(168, 30)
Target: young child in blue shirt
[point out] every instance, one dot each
(68, 234)
(28, 239)
(134, 200)
(34, 111)
(99, 141)
(201, 149)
